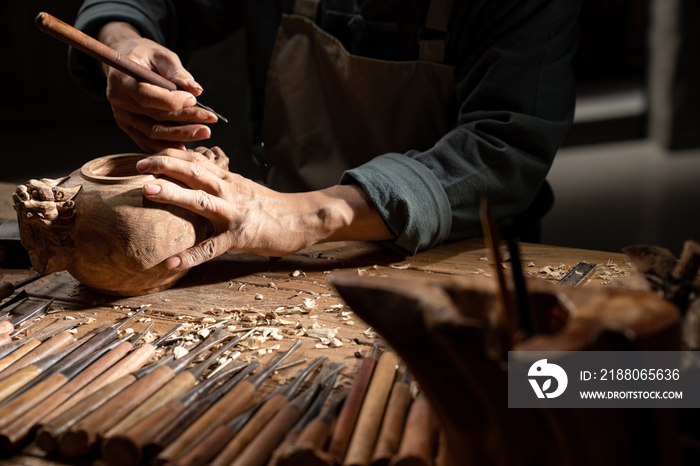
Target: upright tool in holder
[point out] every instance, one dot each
(110, 57)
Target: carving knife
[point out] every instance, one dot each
(106, 55)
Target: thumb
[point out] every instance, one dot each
(198, 254)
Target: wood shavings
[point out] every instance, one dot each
(180, 352)
(296, 273)
(335, 343)
(261, 352)
(552, 272)
(531, 264)
(479, 272)
(309, 304)
(129, 330)
(399, 267)
(278, 379)
(362, 272)
(73, 330)
(240, 288)
(258, 296)
(321, 346)
(327, 333)
(370, 333)
(68, 318)
(150, 337)
(209, 320)
(484, 259)
(272, 285)
(203, 333)
(350, 322)
(342, 381)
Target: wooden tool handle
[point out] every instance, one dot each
(171, 390)
(259, 450)
(80, 438)
(127, 449)
(17, 380)
(208, 448)
(181, 422)
(47, 348)
(365, 434)
(392, 426)
(419, 441)
(133, 361)
(99, 51)
(13, 435)
(350, 410)
(245, 436)
(224, 410)
(47, 436)
(17, 354)
(30, 398)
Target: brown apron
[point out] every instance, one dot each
(327, 111)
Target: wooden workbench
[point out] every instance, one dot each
(291, 293)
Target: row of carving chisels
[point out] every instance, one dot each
(101, 394)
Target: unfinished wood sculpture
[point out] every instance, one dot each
(447, 332)
(97, 225)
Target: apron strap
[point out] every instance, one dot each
(437, 20)
(306, 8)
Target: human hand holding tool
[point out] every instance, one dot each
(152, 95)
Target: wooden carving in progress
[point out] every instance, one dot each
(97, 225)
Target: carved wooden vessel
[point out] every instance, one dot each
(97, 225)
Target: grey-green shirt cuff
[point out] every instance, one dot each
(410, 199)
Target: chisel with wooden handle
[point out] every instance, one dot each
(20, 415)
(246, 426)
(351, 408)
(419, 442)
(133, 361)
(50, 433)
(83, 436)
(127, 449)
(259, 450)
(176, 387)
(25, 376)
(307, 447)
(19, 349)
(364, 435)
(224, 410)
(193, 409)
(394, 419)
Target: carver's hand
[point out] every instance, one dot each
(153, 117)
(253, 218)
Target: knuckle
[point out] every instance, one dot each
(201, 199)
(196, 170)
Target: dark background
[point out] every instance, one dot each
(49, 127)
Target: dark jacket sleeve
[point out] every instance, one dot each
(515, 92)
(182, 26)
